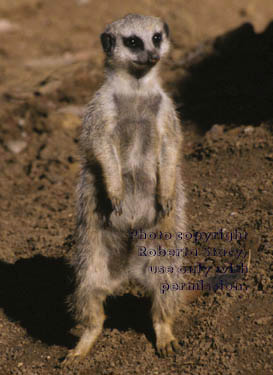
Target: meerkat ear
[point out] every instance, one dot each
(166, 29)
(108, 42)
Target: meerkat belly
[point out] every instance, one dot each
(139, 200)
(139, 159)
(138, 140)
(139, 179)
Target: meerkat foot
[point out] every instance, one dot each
(166, 343)
(83, 347)
(167, 347)
(72, 358)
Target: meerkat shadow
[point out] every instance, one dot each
(130, 312)
(33, 292)
(231, 83)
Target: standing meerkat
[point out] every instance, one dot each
(130, 181)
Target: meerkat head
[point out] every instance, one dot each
(135, 43)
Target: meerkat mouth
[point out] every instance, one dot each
(149, 63)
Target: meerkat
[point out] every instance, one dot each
(130, 179)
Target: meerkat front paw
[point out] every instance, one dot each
(166, 205)
(116, 196)
(117, 206)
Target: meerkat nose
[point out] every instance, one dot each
(153, 57)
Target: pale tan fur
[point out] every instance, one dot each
(131, 145)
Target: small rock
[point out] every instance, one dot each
(264, 320)
(16, 146)
(7, 26)
(50, 61)
(216, 130)
(76, 110)
(54, 61)
(49, 87)
(243, 12)
(21, 122)
(269, 157)
(249, 129)
(70, 121)
(74, 168)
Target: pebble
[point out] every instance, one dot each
(16, 146)
(7, 26)
(76, 110)
(264, 320)
(216, 131)
(70, 121)
(55, 61)
(269, 157)
(82, 2)
(249, 129)
(49, 87)
(21, 122)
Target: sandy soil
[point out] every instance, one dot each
(220, 74)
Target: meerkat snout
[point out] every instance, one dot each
(153, 57)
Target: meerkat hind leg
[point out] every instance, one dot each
(93, 328)
(166, 343)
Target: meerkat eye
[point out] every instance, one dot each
(133, 42)
(157, 39)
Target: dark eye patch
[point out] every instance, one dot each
(157, 39)
(133, 42)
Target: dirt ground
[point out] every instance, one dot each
(220, 75)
